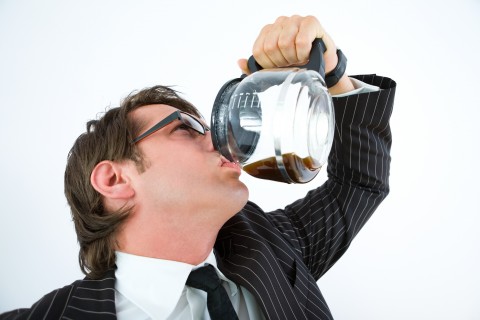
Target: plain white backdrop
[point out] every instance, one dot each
(63, 62)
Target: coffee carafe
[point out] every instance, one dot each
(277, 124)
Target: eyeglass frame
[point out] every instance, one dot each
(176, 115)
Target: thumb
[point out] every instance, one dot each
(243, 65)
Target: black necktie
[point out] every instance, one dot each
(218, 303)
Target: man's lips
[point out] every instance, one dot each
(229, 164)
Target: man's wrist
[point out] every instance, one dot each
(344, 85)
(358, 88)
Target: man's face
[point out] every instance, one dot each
(183, 173)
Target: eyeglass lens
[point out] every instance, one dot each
(193, 123)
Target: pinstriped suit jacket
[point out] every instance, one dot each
(278, 256)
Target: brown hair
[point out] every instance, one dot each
(108, 138)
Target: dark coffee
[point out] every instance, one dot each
(300, 170)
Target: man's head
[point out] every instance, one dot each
(123, 192)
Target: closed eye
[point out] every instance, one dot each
(184, 127)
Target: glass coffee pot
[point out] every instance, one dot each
(277, 124)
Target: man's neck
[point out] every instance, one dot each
(188, 242)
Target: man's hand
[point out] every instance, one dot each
(288, 42)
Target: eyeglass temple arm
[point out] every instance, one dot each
(161, 124)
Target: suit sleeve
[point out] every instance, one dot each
(324, 223)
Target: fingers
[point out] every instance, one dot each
(274, 44)
(309, 29)
(287, 41)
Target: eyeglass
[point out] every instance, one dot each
(187, 119)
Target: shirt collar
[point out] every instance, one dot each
(156, 285)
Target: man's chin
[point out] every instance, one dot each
(240, 196)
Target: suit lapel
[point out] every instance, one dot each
(249, 261)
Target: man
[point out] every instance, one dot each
(152, 200)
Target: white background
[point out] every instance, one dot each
(62, 62)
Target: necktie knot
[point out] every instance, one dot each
(218, 303)
(204, 278)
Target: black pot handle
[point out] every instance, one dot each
(315, 61)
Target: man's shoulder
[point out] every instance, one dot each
(51, 304)
(253, 218)
(251, 214)
(54, 304)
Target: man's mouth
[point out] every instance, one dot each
(229, 164)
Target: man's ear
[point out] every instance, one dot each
(110, 179)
